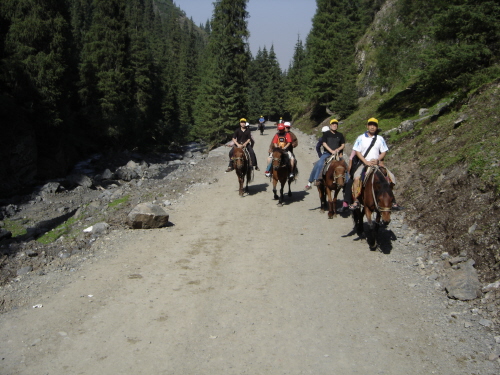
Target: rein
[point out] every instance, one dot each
(377, 207)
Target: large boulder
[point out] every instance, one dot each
(464, 283)
(147, 216)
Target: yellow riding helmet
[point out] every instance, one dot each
(243, 120)
(334, 120)
(372, 120)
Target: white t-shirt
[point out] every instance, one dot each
(364, 141)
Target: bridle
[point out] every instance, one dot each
(337, 175)
(278, 160)
(377, 207)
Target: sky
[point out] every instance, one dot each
(271, 22)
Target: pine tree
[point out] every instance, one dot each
(222, 97)
(331, 44)
(105, 76)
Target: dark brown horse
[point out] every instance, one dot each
(242, 167)
(280, 169)
(333, 181)
(376, 196)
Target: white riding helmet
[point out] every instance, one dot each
(325, 129)
(287, 124)
(247, 125)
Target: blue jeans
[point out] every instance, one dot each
(316, 172)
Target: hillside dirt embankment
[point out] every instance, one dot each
(242, 286)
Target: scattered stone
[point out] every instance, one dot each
(80, 180)
(50, 187)
(64, 254)
(31, 253)
(147, 216)
(472, 228)
(457, 260)
(491, 287)
(445, 256)
(485, 322)
(107, 175)
(464, 283)
(24, 270)
(468, 324)
(406, 126)
(493, 356)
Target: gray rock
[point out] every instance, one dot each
(107, 175)
(100, 228)
(80, 180)
(126, 174)
(464, 283)
(147, 216)
(423, 112)
(406, 126)
(457, 260)
(24, 270)
(31, 253)
(485, 322)
(64, 254)
(50, 187)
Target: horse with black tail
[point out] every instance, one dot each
(333, 181)
(241, 164)
(376, 197)
(280, 172)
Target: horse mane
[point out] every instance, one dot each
(383, 184)
(278, 149)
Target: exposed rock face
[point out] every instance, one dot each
(147, 216)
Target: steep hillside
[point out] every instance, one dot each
(442, 128)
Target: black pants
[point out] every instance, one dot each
(348, 191)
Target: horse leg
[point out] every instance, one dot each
(331, 210)
(275, 182)
(289, 188)
(240, 180)
(282, 187)
(370, 236)
(322, 198)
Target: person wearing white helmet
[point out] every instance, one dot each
(324, 129)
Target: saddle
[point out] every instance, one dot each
(334, 157)
(368, 171)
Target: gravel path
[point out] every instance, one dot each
(242, 286)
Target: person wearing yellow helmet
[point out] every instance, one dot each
(370, 149)
(242, 138)
(261, 124)
(333, 143)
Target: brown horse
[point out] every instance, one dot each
(280, 173)
(242, 167)
(376, 196)
(333, 181)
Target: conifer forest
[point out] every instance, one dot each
(78, 76)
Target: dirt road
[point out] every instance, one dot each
(241, 286)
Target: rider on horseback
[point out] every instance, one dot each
(295, 141)
(242, 138)
(333, 142)
(370, 149)
(284, 141)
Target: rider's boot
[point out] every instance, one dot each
(356, 191)
(230, 166)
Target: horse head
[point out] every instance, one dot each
(278, 158)
(383, 197)
(339, 173)
(238, 158)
